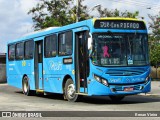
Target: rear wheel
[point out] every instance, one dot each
(116, 98)
(70, 91)
(26, 86)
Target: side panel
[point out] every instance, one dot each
(16, 69)
(55, 68)
(14, 75)
(53, 75)
(52, 66)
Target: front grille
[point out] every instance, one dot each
(120, 88)
(143, 82)
(125, 72)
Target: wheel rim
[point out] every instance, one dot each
(25, 85)
(71, 91)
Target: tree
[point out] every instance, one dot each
(82, 12)
(49, 13)
(56, 13)
(104, 12)
(155, 24)
(154, 40)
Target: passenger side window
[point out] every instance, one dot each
(65, 43)
(19, 51)
(50, 46)
(29, 47)
(11, 52)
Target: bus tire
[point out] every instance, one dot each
(116, 98)
(26, 87)
(69, 91)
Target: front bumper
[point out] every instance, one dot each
(96, 88)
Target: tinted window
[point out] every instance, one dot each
(11, 52)
(19, 51)
(50, 46)
(65, 43)
(29, 47)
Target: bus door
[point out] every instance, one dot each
(38, 66)
(82, 61)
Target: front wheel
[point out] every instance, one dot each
(70, 91)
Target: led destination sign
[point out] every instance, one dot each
(119, 24)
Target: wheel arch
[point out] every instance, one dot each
(65, 80)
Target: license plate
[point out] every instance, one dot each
(128, 89)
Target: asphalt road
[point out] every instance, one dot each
(12, 99)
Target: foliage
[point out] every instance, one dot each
(155, 55)
(154, 40)
(49, 13)
(115, 13)
(56, 13)
(155, 24)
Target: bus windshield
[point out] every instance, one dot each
(117, 49)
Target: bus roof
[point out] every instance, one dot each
(51, 30)
(116, 18)
(43, 30)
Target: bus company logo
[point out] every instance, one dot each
(23, 63)
(115, 80)
(128, 80)
(55, 65)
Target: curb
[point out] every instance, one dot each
(149, 94)
(3, 84)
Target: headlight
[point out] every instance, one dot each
(104, 82)
(101, 80)
(147, 79)
(97, 78)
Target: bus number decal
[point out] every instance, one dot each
(23, 63)
(55, 65)
(115, 80)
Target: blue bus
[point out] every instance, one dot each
(95, 57)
